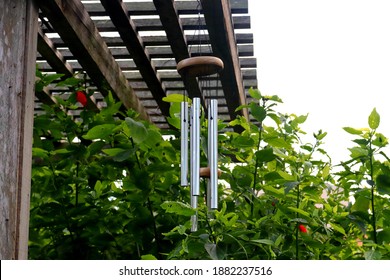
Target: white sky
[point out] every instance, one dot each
(328, 58)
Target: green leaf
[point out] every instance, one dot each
(178, 208)
(242, 175)
(299, 120)
(372, 255)
(384, 236)
(263, 241)
(47, 79)
(175, 97)
(258, 112)
(138, 130)
(383, 184)
(148, 257)
(154, 137)
(243, 142)
(325, 171)
(287, 176)
(69, 82)
(118, 154)
(277, 142)
(357, 152)
(337, 228)
(96, 147)
(362, 202)
(265, 155)
(273, 98)
(99, 131)
(299, 211)
(353, 131)
(298, 220)
(255, 93)
(175, 122)
(374, 119)
(273, 190)
(41, 153)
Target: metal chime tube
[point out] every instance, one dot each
(195, 147)
(213, 154)
(195, 159)
(184, 143)
(194, 218)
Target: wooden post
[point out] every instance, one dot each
(18, 47)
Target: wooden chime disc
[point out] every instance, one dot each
(205, 172)
(199, 66)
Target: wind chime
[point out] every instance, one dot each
(190, 124)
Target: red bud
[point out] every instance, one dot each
(81, 97)
(302, 228)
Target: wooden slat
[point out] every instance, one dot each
(133, 42)
(56, 60)
(18, 28)
(147, 8)
(72, 22)
(159, 64)
(59, 65)
(157, 40)
(175, 34)
(154, 24)
(158, 52)
(162, 48)
(221, 32)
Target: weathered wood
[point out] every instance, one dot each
(175, 34)
(159, 64)
(160, 52)
(45, 97)
(59, 65)
(147, 8)
(52, 55)
(76, 28)
(159, 40)
(221, 32)
(154, 24)
(175, 37)
(18, 29)
(134, 44)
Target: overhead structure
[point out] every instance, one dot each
(132, 48)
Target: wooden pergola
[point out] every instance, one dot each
(130, 48)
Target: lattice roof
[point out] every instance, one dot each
(132, 48)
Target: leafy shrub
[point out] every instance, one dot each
(107, 186)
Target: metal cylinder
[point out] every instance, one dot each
(194, 218)
(213, 153)
(184, 143)
(195, 147)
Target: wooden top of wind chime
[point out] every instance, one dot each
(199, 66)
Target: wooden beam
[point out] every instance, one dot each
(72, 22)
(58, 63)
(219, 24)
(118, 13)
(158, 40)
(18, 28)
(154, 24)
(171, 23)
(55, 59)
(146, 8)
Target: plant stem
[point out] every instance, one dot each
(256, 166)
(77, 184)
(372, 191)
(297, 230)
(149, 205)
(254, 180)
